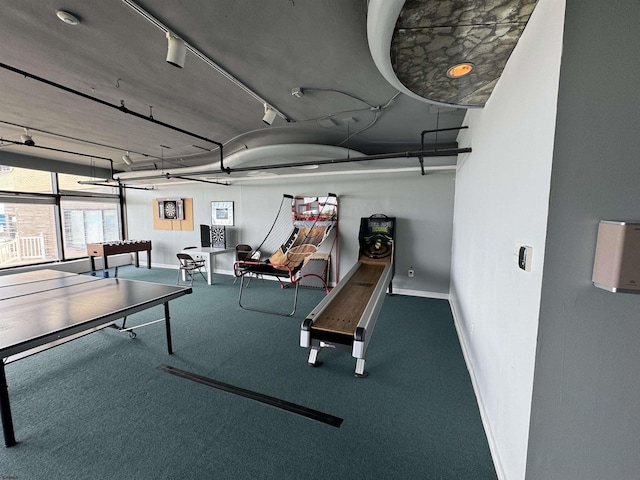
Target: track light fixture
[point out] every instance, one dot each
(176, 50)
(269, 115)
(126, 159)
(198, 54)
(26, 138)
(297, 92)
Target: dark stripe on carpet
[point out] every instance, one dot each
(274, 402)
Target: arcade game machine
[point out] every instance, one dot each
(345, 319)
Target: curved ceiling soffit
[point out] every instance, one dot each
(265, 156)
(415, 42)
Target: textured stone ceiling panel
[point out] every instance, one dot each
(432, 35)
(441, 13)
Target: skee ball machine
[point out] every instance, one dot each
(344, 320)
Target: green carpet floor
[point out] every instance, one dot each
(98, 407)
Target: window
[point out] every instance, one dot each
(70, 182)
(15, 179)
(27, 234)
(85, 221)
(41, 211)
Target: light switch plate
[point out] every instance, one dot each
(523, 256)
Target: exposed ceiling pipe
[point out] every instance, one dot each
(93, 157)
(118, 185)
(225, 184)
(109, 183)
(257, 155)
(436, 131)
(71, 152)
(76, 139)
(335, 161)
(408, 154)
(120, 107)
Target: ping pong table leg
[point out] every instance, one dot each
(5, 409)
(167, 324)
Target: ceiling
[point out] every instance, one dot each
(89, 93)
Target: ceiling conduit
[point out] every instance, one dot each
(312, 155)
(320, 154)
(122, 108)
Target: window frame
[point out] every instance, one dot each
(57, 198)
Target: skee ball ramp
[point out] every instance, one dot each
(345, 319)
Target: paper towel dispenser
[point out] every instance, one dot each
(616, 267)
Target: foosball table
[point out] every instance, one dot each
(114, 248)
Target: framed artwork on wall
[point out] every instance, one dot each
(222, 213)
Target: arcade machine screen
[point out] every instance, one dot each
(376, 237)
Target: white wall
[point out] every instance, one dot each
(422, 205)
(585, 419)
(502, 191)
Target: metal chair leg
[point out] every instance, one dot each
(202, 274)
(295, 300)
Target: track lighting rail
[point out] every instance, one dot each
(150, 18)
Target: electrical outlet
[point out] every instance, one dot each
(411, 272)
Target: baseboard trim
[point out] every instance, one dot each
(493, 448)
(396, 291)
(420, 293)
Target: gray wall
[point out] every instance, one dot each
(585, 422)
(423, 206)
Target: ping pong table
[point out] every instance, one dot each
(44, 308)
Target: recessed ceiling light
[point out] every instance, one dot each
(67, 17)
(460, 70)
